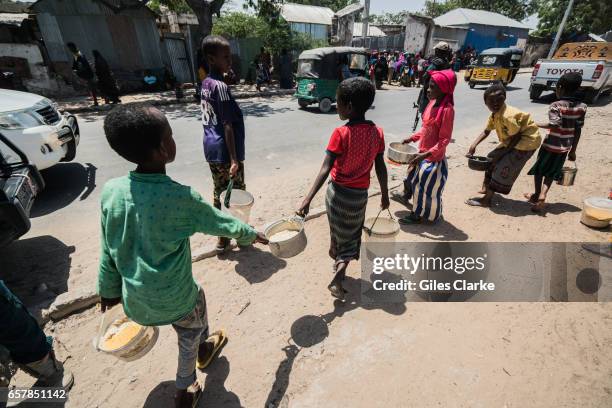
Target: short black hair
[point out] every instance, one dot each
(211, 45)
(570, 82)
(359, 92)
(72, 46)
(494, 87)
(134, 131)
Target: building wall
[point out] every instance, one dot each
(417, 32)
(316, 31)
(455, 37)
(483, 37)
(129, 40)
(38, 79)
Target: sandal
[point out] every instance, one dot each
(410, 219)
(476, 202)
(531, 198)
(337, 290)
(219, 340)
(222, 245)
(538, 207)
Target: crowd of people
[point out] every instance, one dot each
(147, 218)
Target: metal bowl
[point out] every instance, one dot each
(401, 152)
(479, 163)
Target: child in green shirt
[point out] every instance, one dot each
(147, 219)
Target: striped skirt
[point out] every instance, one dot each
(346, 208)
(426, 183)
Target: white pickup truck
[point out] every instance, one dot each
(593, 60)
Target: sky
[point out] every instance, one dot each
(376, 6)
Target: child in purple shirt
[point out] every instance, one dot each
(223, 123)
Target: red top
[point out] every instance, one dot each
(434, 136)
(355, 146)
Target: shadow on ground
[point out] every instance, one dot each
(310, 330)
(64, 183)
(36, 269)
(438, 231)
(255, 265)
(515, 208)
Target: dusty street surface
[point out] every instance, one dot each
(290, 344)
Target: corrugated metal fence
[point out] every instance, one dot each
(390, 42)
(176, 56)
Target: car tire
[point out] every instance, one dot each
(303, 103)
(592, 96)
(472, 85)
(71, 154)
(535, 92)
(325, 105)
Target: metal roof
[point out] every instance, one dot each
(13, 18)
(350, 9)
(373, 31)
(319, 53)
(463, 16)
(299, 13)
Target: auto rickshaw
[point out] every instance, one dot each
(494, 64)
(320, 72)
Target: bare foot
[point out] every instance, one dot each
(539, 206)
(478, 202)
(531, 198)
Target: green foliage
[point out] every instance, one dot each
(179, 6)
(515, 9)
(587, 16)
(276, 34)
(389, 18)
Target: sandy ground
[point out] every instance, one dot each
(291, 345)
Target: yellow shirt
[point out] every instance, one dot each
(509, 122)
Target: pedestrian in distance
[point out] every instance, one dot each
(519, 139)
(106, 80)
(82, 69)
(428, 170)
(145, 262)
(439, 62)
(565, 122)
(353, 150)
(224, 134)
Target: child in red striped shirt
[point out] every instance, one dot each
(565, 122)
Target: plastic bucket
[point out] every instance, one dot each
(568, 176)
(138, 344)
(241, 203)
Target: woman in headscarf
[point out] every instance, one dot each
(106, 81)
(428, 170)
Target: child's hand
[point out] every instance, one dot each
(234, 169)
(471, 151)
(106, 303)
(261, 239)
(571, 156)
(407, 140)
(304, 209)
(384, 202)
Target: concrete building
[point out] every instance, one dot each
(484, 29)
(312, 20)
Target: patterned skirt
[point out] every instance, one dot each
(426, 184)
(549, 165)
(501, 177)
(346, 208)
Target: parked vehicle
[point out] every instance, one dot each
(319, 73)
(591, 59)
(494, 64)
(20, 182)
(33, 123)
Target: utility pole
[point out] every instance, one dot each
(555, 44)
(364, 25)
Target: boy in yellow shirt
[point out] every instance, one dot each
(519, 139)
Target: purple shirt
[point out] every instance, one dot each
(220, 108)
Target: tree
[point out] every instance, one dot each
(515, 9)
(587, 16)
(389, 18)
(239, 25)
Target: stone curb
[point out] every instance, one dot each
(168, 102)
(71, 302)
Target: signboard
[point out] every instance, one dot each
(585, 51)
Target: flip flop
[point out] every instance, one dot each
(476, 203)
(410, 219)
(219, 342)
(338, 293)
(538, 207)
(196, 396)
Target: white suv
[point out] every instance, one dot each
(33, 123)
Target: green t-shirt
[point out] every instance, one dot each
(147, 220)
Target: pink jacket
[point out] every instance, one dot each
(434, 137)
